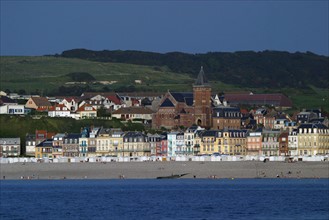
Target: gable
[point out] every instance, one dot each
(167, 103)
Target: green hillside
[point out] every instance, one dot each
(50, 75)
(266, 69)
(47, 74)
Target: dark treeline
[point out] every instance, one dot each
(269, 69)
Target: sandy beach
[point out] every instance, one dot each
(152, 170)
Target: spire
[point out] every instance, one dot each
(201, 80)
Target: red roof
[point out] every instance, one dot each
(246, 98)
(61, 106)
(69, 99)
(114, 99)
(83, 108)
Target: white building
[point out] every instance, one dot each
(59, 110)
(13, 109)
(10, 147)
(293, 143)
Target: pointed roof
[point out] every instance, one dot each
(167, 103)
(202, 79)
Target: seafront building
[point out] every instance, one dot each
(191, 123)
(10, 147)
(306, 140)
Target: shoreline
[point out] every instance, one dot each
(152, 170)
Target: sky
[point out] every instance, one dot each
(33, 28)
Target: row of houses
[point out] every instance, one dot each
(304, 140)
(79, 107)
(222, 115)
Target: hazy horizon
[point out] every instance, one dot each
(36, 28)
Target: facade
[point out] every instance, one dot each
(172, 143)
(12, 109)
(113, 102)
(280, 123)
(10, 147)
(209, 142)
(233, 142)
(87, 111)
(283, 144)
(38, 103)
(306, 117)
(189, 135)
(265, 118)
(72, 104)
(83, 142)
(135, 144)
(59, 110)
(58, 141)
(270, 142)
(163, 146)
(44, 149)
(71, 145)
(116, 140)
(92, 141)
(254, 143)
(226, 118)
(155, 144)
(103, 146)
(293, 142)
(185, 109)
(133, 113)
(313, 139)
(180, 144)
(30, 144)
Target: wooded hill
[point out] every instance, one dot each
(267, 69)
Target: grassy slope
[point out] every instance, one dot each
(48, 73)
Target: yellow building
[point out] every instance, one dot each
(209, 142)
(116, 143)
(103, 142)
(135, 144)
(313, 139)
(44, 149)
(232, 142)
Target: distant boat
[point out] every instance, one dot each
(172, 176)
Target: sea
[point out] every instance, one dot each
(165, 199)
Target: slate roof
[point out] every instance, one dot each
(318, 125)
(133, 134)
(72, 136)
(6, 100)
(46, 143)
(167, 103)
(209, 133)
(10, 141)
(227, 112)
(186, 97)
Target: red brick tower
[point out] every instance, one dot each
(202, 100)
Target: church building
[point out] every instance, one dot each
(185, 108)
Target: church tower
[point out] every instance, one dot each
(202, 100)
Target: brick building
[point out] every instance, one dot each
(186, 108)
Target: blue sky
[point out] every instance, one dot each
(49, 27)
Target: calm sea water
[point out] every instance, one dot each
(165, 199)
